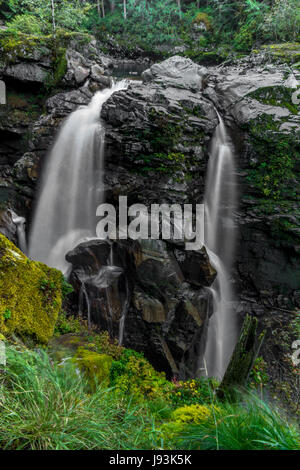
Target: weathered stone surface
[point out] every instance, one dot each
(7, 226)
(26, 73)
(176, 72)
(146, 286)
(157, 132)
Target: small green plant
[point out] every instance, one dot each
(48, 288)
(66, 288)
(7, 314)
(258, 375)
(67, 324)
(193, 391)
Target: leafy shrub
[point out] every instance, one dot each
(26, 23)
(192, 391)
(133, 375)
(192, 414)
(249, 425)
(203, 18)
(171, 432)
(258, 375)
(282, 23)
(66, 324)
(66, 288)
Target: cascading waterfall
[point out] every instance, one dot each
(219, 236)
(72, 186)
(21, 234)
(124, 313)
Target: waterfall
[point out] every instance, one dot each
(21, 234)
(72, 185)
(124, 314)
(219, 236)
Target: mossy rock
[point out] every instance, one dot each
(30, 295)
(96, 366)
(288, 52)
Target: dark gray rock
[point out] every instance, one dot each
(26, 73)
(142, 281)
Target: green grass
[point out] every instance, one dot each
(252, 425)
(47, 406)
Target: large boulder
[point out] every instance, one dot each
(137, 291)
(157, 133)
(30, 295)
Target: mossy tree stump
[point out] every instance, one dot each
(242, 360)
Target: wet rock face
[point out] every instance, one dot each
(77, 69)
(142, 283)
(261, 102)
(158, 131)
(7, 226)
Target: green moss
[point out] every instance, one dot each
(95, 366)
(32, 313)
(133, 375)
(59, 68)
(276, 96)
(287, 52)
(277, 155)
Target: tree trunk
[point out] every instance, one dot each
(179, 7)
(125, 9)
(53, 16)
(103, 9)
(98, 8)
(242, 360)
(112, 5)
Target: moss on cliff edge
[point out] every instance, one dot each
(30, 294)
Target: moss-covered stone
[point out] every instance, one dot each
(95, 366)
(276, 96)
(287, 52)
(30, 295)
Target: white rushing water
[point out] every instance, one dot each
(72, 185)
(220, 203)
(21, 233)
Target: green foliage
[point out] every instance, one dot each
(26, 23)
(7, 314)
(151, 25)
(35, 17)
(59, 67)
(157, 24)
(133, 375)
(95, 366)
(282, 23)
(49, 407)
(66, 288)
(258, 374)
(192, 414)
(67, 324)
(249, 425)
(192, 391)
(277, 154)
